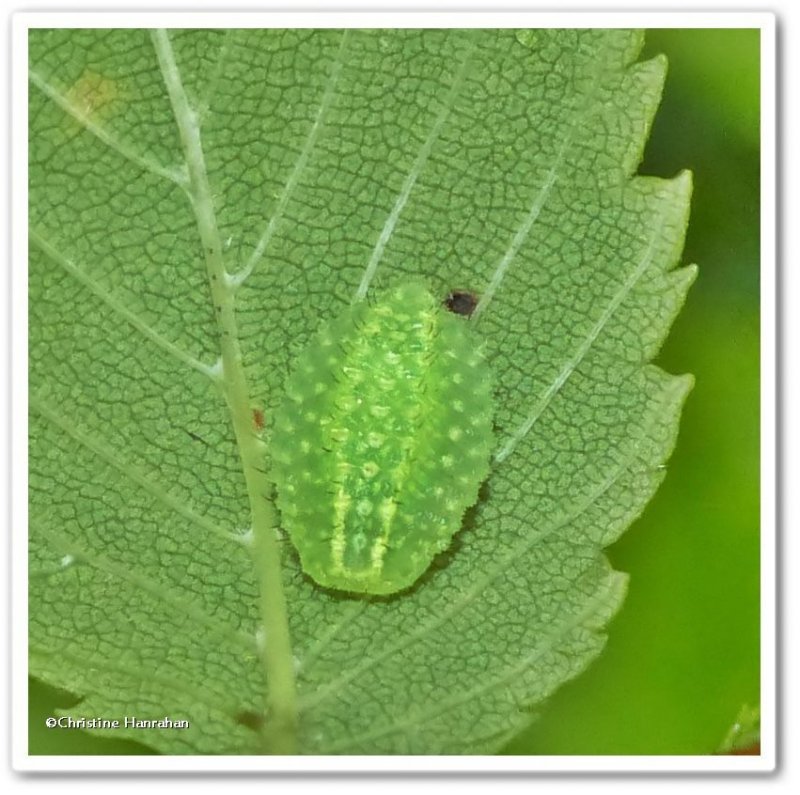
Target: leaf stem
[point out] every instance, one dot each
(281, 699)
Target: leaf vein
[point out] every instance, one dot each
(116, 304)
(222, 55)
(174, 174)
(583, 348)
(519, 238)
(138, 673)
(143, 480)
(321, 643)
(276, 657)
(299, 165)
(413, 175)
(163, 595)
(505, 676)
(580, 112)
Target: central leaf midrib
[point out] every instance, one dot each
(280, 687)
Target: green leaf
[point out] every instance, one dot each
(314, 167)
(744, 733)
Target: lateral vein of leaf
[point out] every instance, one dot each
(222, 55)
(278, 664)
(139, 673)
(519, 238)
(584, 107)
(413, 175)
(299, 165)
(129, 471)
(467, 597)
(580, 352)
(115, 303)
(171, 174)
(595, 602)
(321, 643)
(179, 602)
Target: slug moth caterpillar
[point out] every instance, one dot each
(382, 441)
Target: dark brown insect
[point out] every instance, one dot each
(258, 420)
(461, 302)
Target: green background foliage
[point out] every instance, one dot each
(682, 655)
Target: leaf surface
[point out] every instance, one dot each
(337, 164)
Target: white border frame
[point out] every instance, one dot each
(21, 23)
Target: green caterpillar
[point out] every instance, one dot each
(382, 441)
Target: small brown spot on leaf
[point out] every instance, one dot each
(250, 719)
(92, 96)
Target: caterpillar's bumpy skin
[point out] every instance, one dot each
(382, 441)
